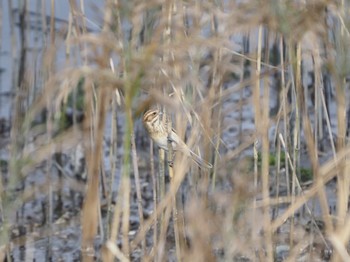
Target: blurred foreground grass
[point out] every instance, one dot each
(258, 88)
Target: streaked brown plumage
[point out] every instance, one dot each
(159, 135)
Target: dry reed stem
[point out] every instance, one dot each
(112, 162)
(325, 173)
(218, 90)
(311, 145)
(116, 220)
(93, 156)
(116, 251)
(342, 235)
(19, 107)
(49, 192)
(265, 161)
(138, 188)
(284, 107)
(125, 181)
(165, 202)
(296, 136)
(155, 199)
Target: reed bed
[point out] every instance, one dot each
(257, 88)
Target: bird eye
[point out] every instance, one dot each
(154, 113)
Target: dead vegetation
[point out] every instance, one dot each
(258, 88)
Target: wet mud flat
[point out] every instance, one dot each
(45, 222)
(34, 238)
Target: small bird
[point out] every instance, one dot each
(159, 134)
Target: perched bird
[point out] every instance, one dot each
(159, 134)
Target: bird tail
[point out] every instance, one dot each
(199, 161)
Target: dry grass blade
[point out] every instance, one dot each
(326, 173)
